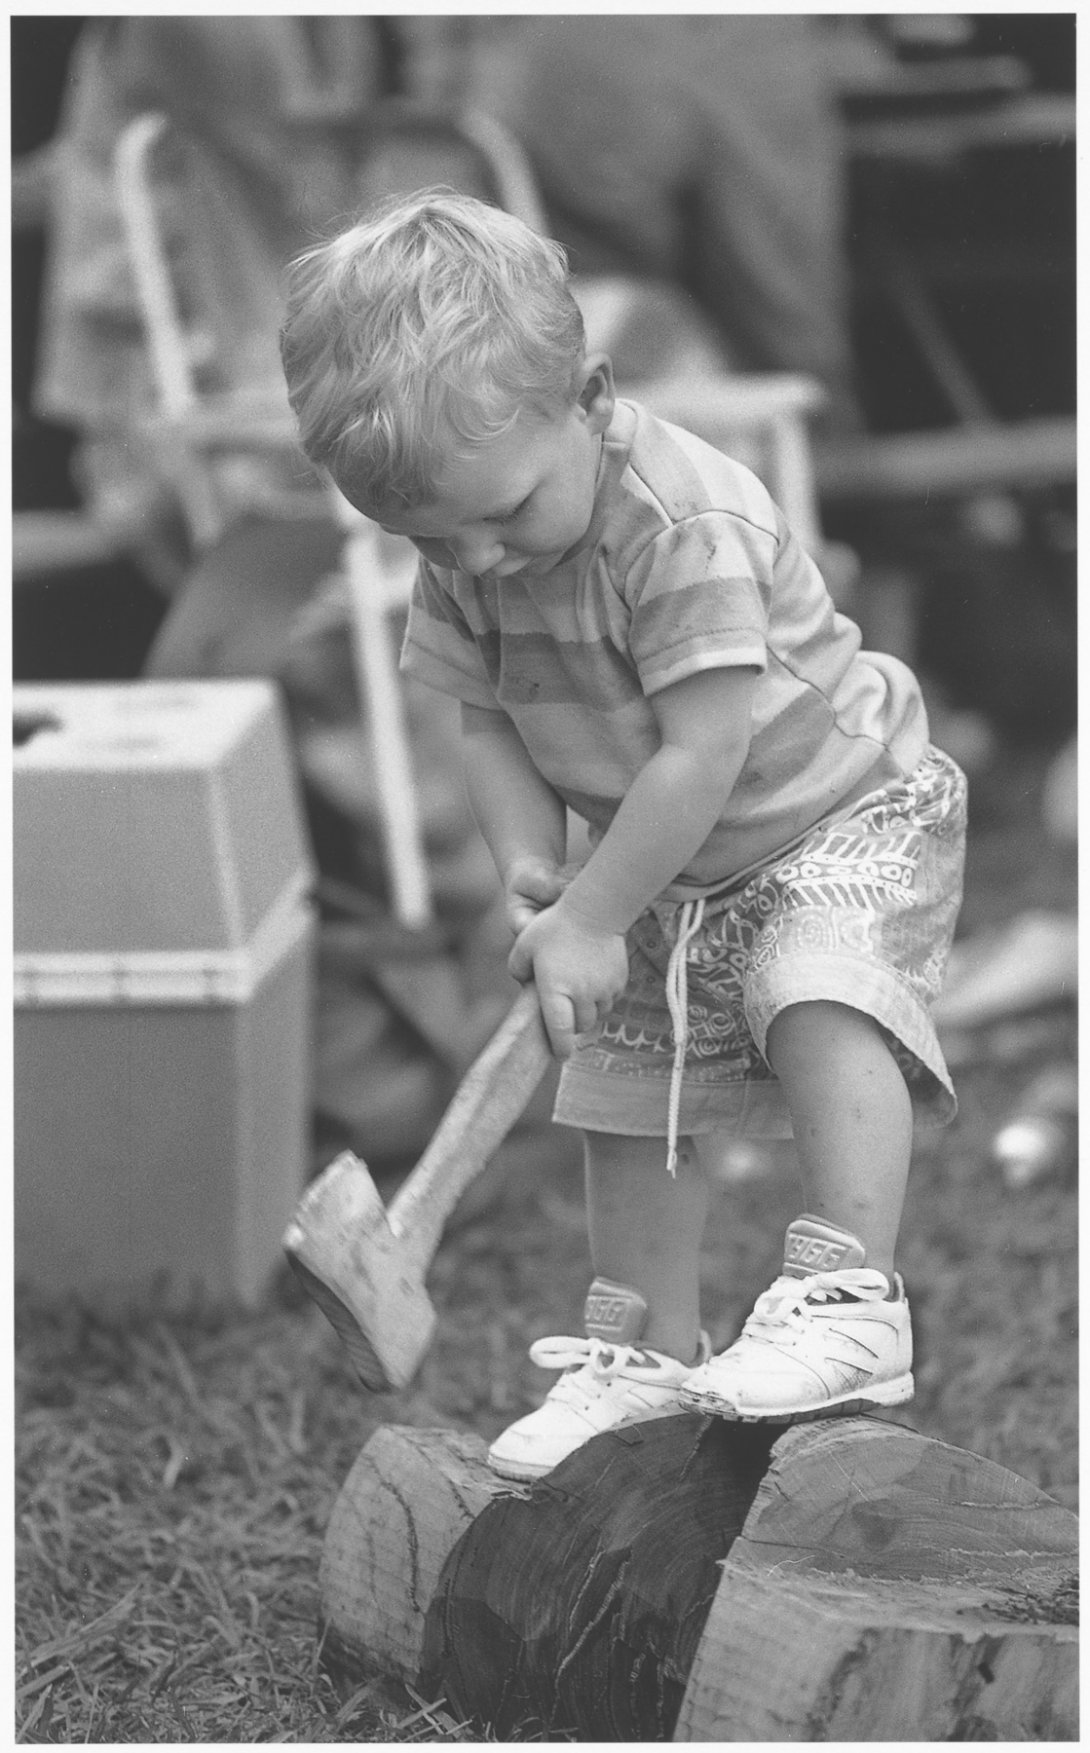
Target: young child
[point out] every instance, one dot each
(636, 636)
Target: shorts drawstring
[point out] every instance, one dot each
(677, 997)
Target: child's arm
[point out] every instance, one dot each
(667, 814)
(523, 821)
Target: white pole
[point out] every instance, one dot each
(379, 572)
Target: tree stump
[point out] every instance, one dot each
(691, 1579)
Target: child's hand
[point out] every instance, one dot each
(532, 884)
(579, 971)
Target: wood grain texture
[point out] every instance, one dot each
(406, 1501)
(888, 1587)
(579, 1608)
(847, 1580)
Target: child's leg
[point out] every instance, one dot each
(645, 1229)
(852, 1118)
(834, 1335)
(645, 1232)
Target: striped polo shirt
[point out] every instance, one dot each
(687, 564)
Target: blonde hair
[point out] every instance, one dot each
(435, 315)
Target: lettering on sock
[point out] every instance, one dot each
(813, 1253)
(614, 1314)
(606, 1311)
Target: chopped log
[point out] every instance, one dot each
(888, 1587)
(408, 1499)
(580, 1607)
(698, 1580)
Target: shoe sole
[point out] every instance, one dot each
(520, 1476)
(894, 1393)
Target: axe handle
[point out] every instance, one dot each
(489, 1099)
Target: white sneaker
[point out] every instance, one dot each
(608, 1382)
(825, 1337)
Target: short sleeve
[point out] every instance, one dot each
(439, 646)
(699, 596)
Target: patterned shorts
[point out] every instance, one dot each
(862, 912)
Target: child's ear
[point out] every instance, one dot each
(597, 396)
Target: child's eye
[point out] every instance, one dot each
(518, 511)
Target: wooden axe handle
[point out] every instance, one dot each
(489, 1099)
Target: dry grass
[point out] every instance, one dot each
(173, 1481)
(175, 1475)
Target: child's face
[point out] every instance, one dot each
(518, 502)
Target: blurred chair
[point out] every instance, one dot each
(219, 423)
(218, 431)
(224, 445)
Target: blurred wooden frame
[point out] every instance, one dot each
(191, 428)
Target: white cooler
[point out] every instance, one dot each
(163, 948)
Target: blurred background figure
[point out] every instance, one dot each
(704, 153)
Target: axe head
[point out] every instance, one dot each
(363, 1277)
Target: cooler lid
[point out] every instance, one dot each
(151, 817)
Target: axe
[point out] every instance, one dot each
(365, 1264)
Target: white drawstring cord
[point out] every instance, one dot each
(677, 997)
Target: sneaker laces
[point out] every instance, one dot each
(677, 997)
(589, 1366)
(601, 1359)
(789, 1301)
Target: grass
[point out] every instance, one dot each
(174, 1475)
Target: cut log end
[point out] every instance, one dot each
(697, 1580)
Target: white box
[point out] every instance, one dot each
(163, 949)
